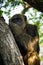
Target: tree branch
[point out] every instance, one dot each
(38, 4)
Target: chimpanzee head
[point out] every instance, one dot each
(18, 23)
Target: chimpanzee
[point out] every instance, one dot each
(32, 30)
(26, 35)
(32, 58)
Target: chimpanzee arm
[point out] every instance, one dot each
(33, 31)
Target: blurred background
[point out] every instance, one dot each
(8, 8)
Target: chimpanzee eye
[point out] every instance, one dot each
(17, 21)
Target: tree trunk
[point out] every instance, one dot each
(9, 51)
(38, 4)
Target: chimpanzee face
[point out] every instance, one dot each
(17, 23)
(19, 20)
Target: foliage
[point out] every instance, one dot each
(41, 58)
(32, 14)
(1, 12)
(36, 18)
(8, 4)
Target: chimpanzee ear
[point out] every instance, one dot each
(25, 18)
(11, 19)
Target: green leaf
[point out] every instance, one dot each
(9, 0)
(1, 12)
(1, 1)
(41, 41)
(41, 0)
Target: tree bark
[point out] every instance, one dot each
(38, 4)
(9, 50)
